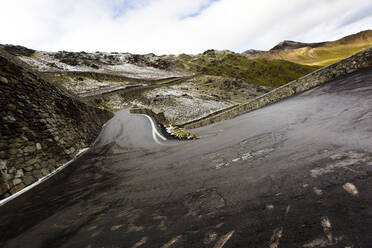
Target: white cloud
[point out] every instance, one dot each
(176, 26)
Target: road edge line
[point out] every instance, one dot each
(12, 197)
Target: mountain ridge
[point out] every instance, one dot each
(318, 53)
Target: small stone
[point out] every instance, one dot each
(3, 80)
(37, 174)
(31, 161)
(30, 149)
(3, 164)
(38, 146)
(52, 161)
(2, 190)
(3, 144)
(13, 151)
(11, 118)
(44, 164)
(29, 168)
(44, 172)
(2, 154)
(19, 173)
(17, 181)
(17, 188)
(12, 106)
(6, 175)
(29, 180)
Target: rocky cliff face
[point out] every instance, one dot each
(42, 125)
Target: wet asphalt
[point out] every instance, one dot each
(297, 173)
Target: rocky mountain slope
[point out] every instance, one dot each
(185, 87)
(318, 54)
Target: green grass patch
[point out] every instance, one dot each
(320, 56)
(266, 72)
(107, 106)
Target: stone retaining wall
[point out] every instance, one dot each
(348, 65)
(102, 76)
(42, 125)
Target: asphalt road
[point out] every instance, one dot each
(297, 173)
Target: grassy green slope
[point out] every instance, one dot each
(320, 56)
(327, 54)
(266, 72)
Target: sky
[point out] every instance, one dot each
(177, 26)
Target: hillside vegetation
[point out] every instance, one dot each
(319, 54)
(265, 72)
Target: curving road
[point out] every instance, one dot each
(297, 173)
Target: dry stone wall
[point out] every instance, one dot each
(351, 64)
(42, 125)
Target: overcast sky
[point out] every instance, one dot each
(177, 26)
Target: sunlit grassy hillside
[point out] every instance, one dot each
(261, 71)
(326, 54)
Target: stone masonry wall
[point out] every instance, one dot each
(42, 126)
(348, 65)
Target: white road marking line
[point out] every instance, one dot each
(155, 132)
(327, 227)
(275, 239)
(223, 240)
(6, 200)
(351, 189)
(172, 241)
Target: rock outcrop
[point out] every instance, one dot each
(42, 125)
(18, 50)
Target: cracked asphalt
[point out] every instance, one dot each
(297, 173)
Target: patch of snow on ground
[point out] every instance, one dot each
(182, 106)
(43, 62)
(141, 71)
(46, 62)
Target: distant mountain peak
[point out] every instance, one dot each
(362, 36)
(290, 44)
(319, 54)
